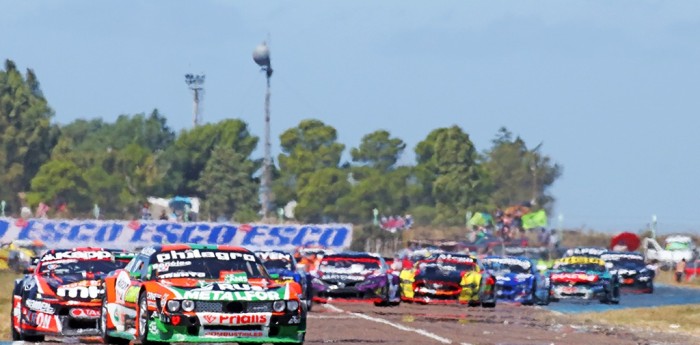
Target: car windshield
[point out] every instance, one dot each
(348, 265)
(505, 265)
(206, 264)
(625, 261)
(74, 266)
(582, 267)
(278, 264)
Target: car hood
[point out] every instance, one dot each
(440, 275)
(513, 278)
(208, 290)
(76, 287)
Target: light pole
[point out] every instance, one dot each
(261, 56)
(195, 82)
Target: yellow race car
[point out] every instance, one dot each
(448, 278)
(18, 254)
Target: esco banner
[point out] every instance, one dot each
(135, 234)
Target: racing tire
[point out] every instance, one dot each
(488, 304)
(27, 338)
(15, 335)
(385, 296)
(104, 332)
(142, 317)
(650, 289)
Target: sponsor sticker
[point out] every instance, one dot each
(236, 319)
(232, 295)
(80, 291)
(576, 260)
(232, 334)
(39, 306)
(121, 286)
(84, 313)
(265, 256)
(197, 254)
(78, 255)
(236, 278)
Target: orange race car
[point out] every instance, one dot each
(200, 293)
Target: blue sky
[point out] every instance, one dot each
(611, 88)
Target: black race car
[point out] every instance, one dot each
(631, 269)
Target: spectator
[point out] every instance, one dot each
(543, 237)
(553, 240)
(680, 270)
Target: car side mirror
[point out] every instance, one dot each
(28, 270)
(274, 276)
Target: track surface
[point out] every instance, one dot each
(412, 324)
(663, 295)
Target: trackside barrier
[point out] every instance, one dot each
(135, 234)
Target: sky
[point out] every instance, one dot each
(611, 89)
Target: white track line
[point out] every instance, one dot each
(392, 324)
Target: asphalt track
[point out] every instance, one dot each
(662, 296)
(413, 324)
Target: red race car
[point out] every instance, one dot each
(62, 296)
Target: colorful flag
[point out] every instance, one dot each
(537, 219)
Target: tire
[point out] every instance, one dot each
(385, 296)
(28, 338)
(104, 332)
(651, 288)
(142, 317)
(15, 335)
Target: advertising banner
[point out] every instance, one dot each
(135, 234)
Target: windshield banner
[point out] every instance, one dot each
(136, 234)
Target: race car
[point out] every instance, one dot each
(282, 268)
(584, 277)
(200, 293)
(355, 277)
(448, 278)
(518, 280)
(631, 269)
(61, 297)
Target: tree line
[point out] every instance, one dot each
(117, 165)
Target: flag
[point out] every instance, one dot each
(480, 219)
(537, 219)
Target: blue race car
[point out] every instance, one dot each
(282, 268)
(518, 280)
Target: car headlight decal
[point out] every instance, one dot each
(173, 306)
(292, 305)
(278, 306)
(187, 305)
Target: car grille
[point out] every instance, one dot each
(208, 307)
(233, 307)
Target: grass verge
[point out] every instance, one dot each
(7, 281)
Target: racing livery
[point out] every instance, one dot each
(518, 280)
(584, 277)
(594, 252)
(282, 268)
(199, 293)
(448, 278)
(62, 295)
(355, 277)
(631, 270)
